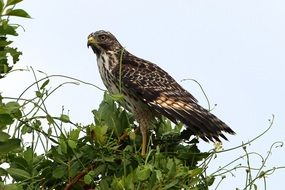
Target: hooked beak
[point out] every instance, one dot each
(91, 41)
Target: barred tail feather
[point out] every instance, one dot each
(198, 120)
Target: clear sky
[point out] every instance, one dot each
(235, 49)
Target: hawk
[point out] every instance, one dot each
(148, 90)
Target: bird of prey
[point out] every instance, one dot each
(148, 90)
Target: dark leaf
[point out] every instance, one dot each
(44, 84)
(210, 180)
(64, 118)
(88, 179)
(9, 145)
(20, 162)
(15, 54)
(99, 170)
(13, 2)
(171, 166)
(196, 172)
(39, 94)
(11, 106)
(18, 13)
(104, 183)
(5, 119)
(28, 156)
(3, 172)
(50, 119)
(4, 43)
(171, 184)
(1, 6)
(18, 173)
(143, 173)
(13, 187)
(6, 29)
(4, 68)
(74, 134)
(62, 146)
(100, 133)
(13, 109)
(4, 136)
(72, 144)
(58, 172)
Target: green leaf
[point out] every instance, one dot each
(4, 136)
(6, 29)
(143, 173)
(3, 172)
(74, 134)
(88, 179)
(100, 133)
(12, 106)
(28, 156)
(99, 170)
(5, 119)
(62, 146)
(58, 172)
(49, 132)
(13, 109)
(50, 119)
(91, 173)
(117, 97)
(72, 144)
(104, 183)
(4, 68)
(109, 159)
(15, 54)
(37, 124)
(196, 172)
(4, 43)
(39, 94)
(210, 180)
(1, 6)
(171, 184)
(171, 166)
(44, 84)
(64, 118)
(18, 13)
(13, 2)
(158, 175)
(9, 145)
(13, 187)
(19, 173)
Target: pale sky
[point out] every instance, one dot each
(235, 49)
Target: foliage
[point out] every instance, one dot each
(41, 151)
(95, 156)
(9, 55)
(104, 154)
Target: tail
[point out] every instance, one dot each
(206, 125)
(198, 121)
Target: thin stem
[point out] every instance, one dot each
(204, 93)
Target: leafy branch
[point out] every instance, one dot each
(7, 10)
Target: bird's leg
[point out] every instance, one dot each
(143, 129)
(144, 118)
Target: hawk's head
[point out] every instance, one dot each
(101, 41)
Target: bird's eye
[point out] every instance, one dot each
(102, 37)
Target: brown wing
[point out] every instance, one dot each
(162, 93)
